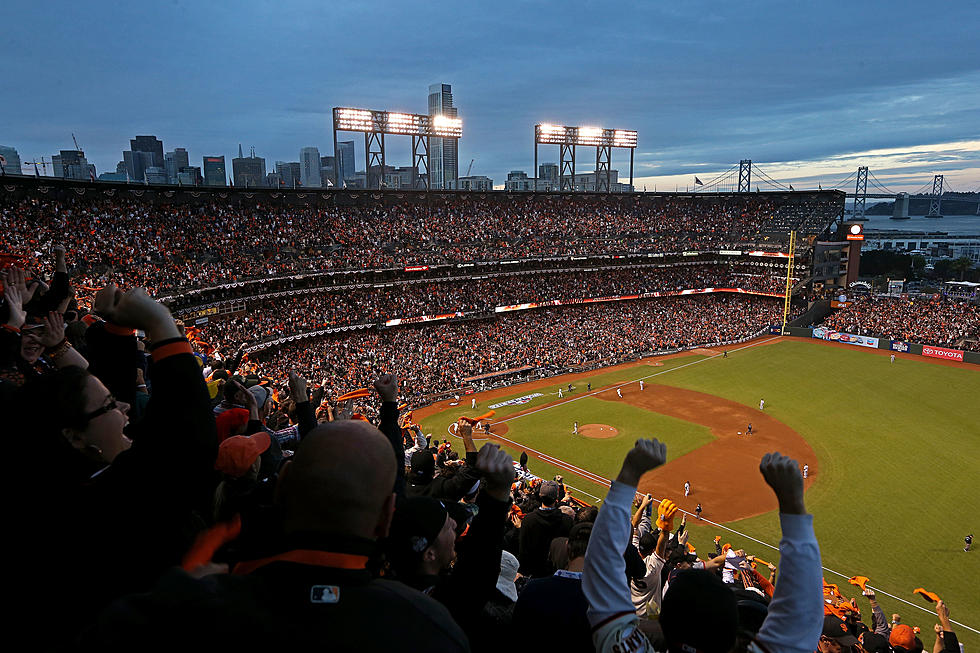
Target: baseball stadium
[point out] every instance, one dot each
(561, 327)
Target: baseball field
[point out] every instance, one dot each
(892, 450)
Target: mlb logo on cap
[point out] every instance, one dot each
(324, 594)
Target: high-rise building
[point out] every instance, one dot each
(248, 171)
(518, 180)
(476, 182)
(214, 171)
(309, 172)
(144, 152)
(156, 175)
(548, 177)
(11, 160)
(189, 176)
(71, 164)
(345, 161)
(290, 173)
(173, 162)
(443, 152)
(327, 170)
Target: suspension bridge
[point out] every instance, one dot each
(860, 186)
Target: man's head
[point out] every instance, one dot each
(548, 493)
(340, 481)
(578, 540)
(836, 635)
(423, 467)
(902, 638)
(422, 540)
(695, 598)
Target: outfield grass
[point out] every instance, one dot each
(898, 446)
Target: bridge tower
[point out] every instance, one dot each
(745, 176)
(860, 192)
(936, 201)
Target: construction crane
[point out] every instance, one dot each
(75, 140)
(470, 167)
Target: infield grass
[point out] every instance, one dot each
(898, 446)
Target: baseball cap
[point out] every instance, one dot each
(238, 453)
(508, 572)
(837, 630)
(902, 635)
(423, 467)
(261, 394)
(875, 643)
(414, 528)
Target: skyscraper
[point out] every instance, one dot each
(443, 152)
(71, 164)
(11, 163)
(144, 152)
(214, 171)
(249, 172)
(309, 162)
(173, 162)
(345, 161)
(290, 173)
(327, 170)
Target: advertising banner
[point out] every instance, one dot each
(422, 318)
(900, 345)
(516, 401)
(823, 333)
(941, 352)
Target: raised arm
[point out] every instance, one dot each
(387, 387)
(611, 612)
(795, 618)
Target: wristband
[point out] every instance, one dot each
(11, 328)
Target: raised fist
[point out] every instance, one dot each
(644, 456)
(387, 387)
(782, 473)
(497, 468)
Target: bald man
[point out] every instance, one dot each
(315, 592)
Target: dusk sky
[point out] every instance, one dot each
(808, 91)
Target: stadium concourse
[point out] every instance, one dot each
(181, 482)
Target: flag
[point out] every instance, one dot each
(91, 174)
(791, 186)
(3, 170)
(36, 173)
(698, 182)
(819, 187)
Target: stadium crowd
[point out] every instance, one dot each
(287, 314)
(939, 321)
(437, 358)
(159, 511)
(135, 242)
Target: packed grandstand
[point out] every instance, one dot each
(288, 301)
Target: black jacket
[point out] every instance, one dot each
(315, 598)
(537, 531)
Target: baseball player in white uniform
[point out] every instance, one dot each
(473, 403)
(575, 428)
(762, 404)
(687, 488)
(806, 471)
(641, 385)
(560, 395)
(893, 358)
(619, 392)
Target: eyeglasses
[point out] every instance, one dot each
(98, 412)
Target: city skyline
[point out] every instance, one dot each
(828, 88)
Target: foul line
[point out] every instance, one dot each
(599, 480)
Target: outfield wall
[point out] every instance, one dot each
(901, 346)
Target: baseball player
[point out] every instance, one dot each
(806, 471)
(725, 354)
(560, 395)
(969, 542)
(762, 404)
(619, 392)
(589, 386)
(473, 403)
(641, 385)
(569, 387)
(575, 428)
(697, 511)
(893, 358)
(687, 488)
(748, 431)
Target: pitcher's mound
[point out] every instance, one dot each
(598, 431)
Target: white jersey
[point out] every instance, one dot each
(473, 403)
(560, 395)
(687, 489)
(647, 589)
(806, 471)
(641, 385)
(762, 404)
(619, 393)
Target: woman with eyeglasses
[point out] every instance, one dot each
(110, 506)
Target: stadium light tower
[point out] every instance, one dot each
(568, 138)
(375, 124)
